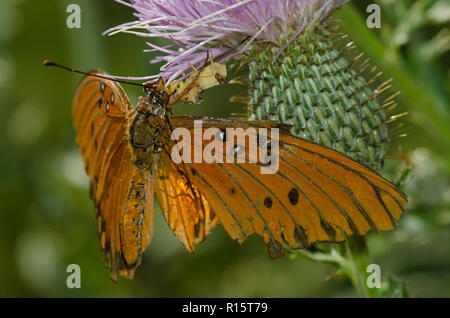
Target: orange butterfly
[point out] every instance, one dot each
(316, 195)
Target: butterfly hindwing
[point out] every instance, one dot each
(315, 195)
(185, 209)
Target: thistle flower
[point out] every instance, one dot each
(197, 28)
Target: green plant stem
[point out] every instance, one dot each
(333, 257)
(351, 259)
(356, 268)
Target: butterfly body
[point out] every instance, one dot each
(316, 195)
(133, 218)
(146, 135)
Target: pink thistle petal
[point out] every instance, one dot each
(200, 29)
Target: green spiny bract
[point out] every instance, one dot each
(313, 87)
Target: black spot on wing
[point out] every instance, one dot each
(268, 202)
(293, 196)
(197, 229)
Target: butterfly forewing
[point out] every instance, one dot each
(315, 195)
(99, 111)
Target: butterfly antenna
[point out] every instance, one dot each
(51, 63)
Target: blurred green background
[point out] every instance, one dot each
(46, 217)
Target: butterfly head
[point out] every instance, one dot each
(156, 98)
